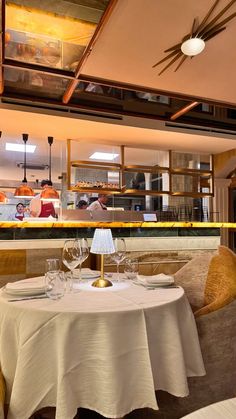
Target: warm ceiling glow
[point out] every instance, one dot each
(20, 147)
(193, 46)
(44, 23)
(103, 156)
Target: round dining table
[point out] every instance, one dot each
(225, 409)
(106, 350)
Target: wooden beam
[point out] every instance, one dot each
(184, 110)
(7, 63)
(105, 17)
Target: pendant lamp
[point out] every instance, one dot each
(3, 198)
(50, 194)
(24, 191)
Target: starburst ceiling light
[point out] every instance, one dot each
(194, 42)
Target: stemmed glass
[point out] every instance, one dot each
(83, 254)
(119, 255)
(71, 257)
(74, 253)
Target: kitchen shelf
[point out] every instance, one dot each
(123, 169)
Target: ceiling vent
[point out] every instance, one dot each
(32, 166)
(184, 127)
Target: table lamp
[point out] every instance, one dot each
(102, 244)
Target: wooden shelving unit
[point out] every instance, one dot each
(206, 177)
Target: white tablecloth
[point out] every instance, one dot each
(102, 349)
(221, 410)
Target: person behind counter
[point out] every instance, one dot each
(21, 213)
(99, 204)
(82, 204)
(38, 208)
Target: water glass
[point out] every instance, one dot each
(55, 284)
(52, 265)
(131, 268)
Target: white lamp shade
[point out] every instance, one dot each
(102, 243)
(193, 46)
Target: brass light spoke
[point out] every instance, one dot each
(214, 34)
(177, 46)
(217, 17)
(166, 58)
(181, 62)
(219, 25)
(193, 26)
(170, 63)
(206, 17)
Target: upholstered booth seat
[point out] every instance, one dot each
(2, 395)
(209, 281)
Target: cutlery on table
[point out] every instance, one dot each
(39, 297)
(161, 286)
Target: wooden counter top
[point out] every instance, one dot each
(116, 224)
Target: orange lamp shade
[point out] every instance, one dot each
(49, 194)
(24, 191)
(3, 198)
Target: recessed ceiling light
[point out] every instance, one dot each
(103, 156)
(20, 147)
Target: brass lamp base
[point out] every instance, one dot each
(102, 283)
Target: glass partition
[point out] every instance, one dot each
(48, 33)
(190, 161)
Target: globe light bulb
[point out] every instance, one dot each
(193, 46)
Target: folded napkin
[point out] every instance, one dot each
(160, 279)
(26, 285)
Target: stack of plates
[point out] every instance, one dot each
(155, 281)
(26, 287)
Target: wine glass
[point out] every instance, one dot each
(71, 256)
(83, 243)
(119, 255)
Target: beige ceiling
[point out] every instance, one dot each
(138, 32)
(146, 133)
(91, 135)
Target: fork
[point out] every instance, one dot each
(162, 286)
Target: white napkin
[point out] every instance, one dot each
(160, 279)
(26, 285)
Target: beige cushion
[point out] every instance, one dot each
(2, 389)
(192, 277)
(220, 287)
